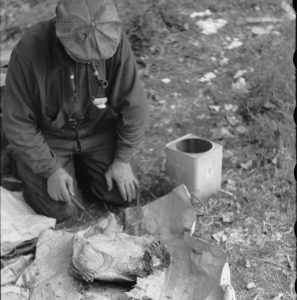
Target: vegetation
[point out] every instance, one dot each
(252, 217)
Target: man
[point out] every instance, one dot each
(72, 95)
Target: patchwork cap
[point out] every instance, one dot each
(90, 30)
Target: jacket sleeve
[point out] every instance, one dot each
(128, 100)
(20, 117)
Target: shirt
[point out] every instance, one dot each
(41, 93)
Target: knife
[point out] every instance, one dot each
(76, 202)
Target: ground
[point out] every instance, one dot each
(247, 106)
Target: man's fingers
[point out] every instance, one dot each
(133, 190)
(54, 197)
(129, 191)
(122, 191)
(70, 187)
(108, 181)
(135, 182)
(65, 196)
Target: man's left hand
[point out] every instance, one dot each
(122, 174)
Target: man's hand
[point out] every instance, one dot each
(60, 185)
(122, 174)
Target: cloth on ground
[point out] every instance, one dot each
(197, 270)
(19, 223)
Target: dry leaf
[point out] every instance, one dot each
(248, 264)
(200, 14)
(241, 129)
(251, 285)
(218, 236)
(260, 30)
(247, 165)
(211, 26)
(239, 73)
(227, 217)
(215, 108)
(236, 43)
(279, 296)
(166, 80)
(207, 77)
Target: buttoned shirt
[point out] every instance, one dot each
(46, 91)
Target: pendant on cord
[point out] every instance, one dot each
(102, 82)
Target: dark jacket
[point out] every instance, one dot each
(39, 95)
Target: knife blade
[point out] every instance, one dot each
(76, 202)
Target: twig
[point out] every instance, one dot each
(276, 264)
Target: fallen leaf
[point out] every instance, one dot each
(228, 154)
(232, 120)
(248, 264)
(279, 296)
(236, 43)
(290, 13)
(218, 236)
(239, 73)
(201, 117)
(200, 14)
(247, 165)
(260, 30)
(231, 107)
(241, 129)
(221, 132)
(207, 77)
(269, 105)
(224, 61)
(251, 285)
(211, 26)
(215, 108)
(227, 217)
(240, 85)
(259, 20)
(224, 238)
(166, 80)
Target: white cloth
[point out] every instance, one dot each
(19, 223)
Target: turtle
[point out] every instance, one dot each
(102, 252)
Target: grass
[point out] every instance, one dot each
(258, 186)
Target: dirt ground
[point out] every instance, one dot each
(234, 87)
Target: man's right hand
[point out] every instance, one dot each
(60, 185)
